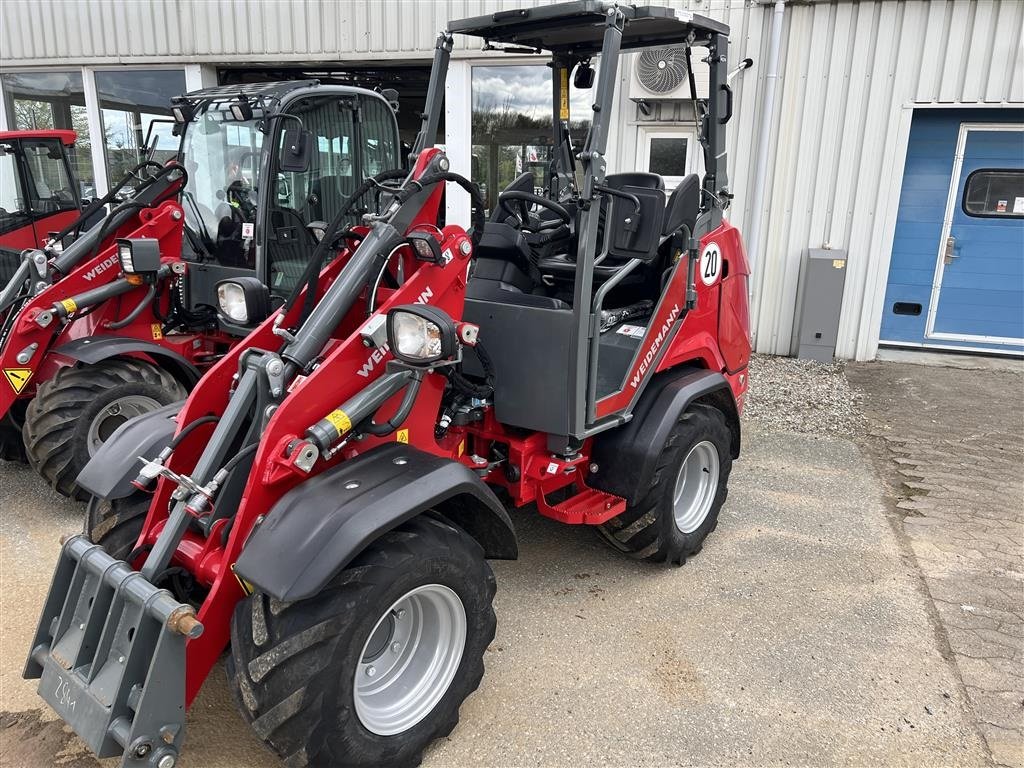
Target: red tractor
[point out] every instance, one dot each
(324, 503)
(124, 319)
(38, 192)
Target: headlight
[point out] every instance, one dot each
(139, 256)
(243, 300)
(421, 335)
(231, 299)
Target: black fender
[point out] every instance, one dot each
(110, 471)
(317, 528)
(627, 456)
(98, 348)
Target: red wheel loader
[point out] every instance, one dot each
(324, 503)
(124, 319)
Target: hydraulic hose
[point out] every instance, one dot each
(404, 409)
(131, 316)
(76, 225)
(186, 431)
(479, 218)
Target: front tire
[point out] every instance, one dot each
(115, 524)
(73, 413)
(671, 521)
(317, 679)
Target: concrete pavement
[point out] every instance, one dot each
(799, 636)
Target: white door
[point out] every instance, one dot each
(671, 152)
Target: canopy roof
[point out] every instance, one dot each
(578, 27)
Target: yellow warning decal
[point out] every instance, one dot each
(17, 378)
(462, 447)
(69, 306)
(245, 585)
(563, 111)
(340, 420)
(157, 331)
(403, 436)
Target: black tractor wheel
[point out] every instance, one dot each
(670, 522)
(116, 524)
(73, 413)
(376, 666)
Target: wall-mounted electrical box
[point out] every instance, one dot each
(824, 279)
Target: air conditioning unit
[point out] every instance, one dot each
(659, 74)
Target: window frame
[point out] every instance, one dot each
(967, 185)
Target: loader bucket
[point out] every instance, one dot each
(109, 653)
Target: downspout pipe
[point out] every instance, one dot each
(764, 137)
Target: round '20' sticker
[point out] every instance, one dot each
(710, 263)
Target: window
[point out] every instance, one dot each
(511, 124)
(995, 193)
(14, 211)
(53, 100)
(130, 100)
(50, 187)
(666, 152)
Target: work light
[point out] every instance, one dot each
(240, 110)
(420, 335)
(139, 257)
(243, 300)
(183, 113)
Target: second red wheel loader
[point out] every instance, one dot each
(126, 318)
(323, 504)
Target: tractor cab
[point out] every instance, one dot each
(586, 274)
(268, 166)
(38, 192)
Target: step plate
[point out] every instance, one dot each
(107, 659)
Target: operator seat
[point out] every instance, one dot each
(683, 206)
(650, 188)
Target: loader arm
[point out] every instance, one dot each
(65, 309)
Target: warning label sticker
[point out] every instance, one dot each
(340, 420)
(636, 331)
(17, 378)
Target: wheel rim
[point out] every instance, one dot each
(696, 486)
(114, 414)
(410, 659)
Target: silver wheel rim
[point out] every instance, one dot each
(410, 659)
(696, 487)
(114, 414)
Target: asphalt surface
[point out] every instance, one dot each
(801, 635)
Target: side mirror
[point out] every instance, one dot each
(296, 148)
(584, 77)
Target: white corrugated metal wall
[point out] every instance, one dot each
(851, 73)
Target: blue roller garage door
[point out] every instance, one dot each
(956, 277)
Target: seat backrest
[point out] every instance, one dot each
(634, 179)
(633, 234)
(683, 206)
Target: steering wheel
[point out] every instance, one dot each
(533, 224)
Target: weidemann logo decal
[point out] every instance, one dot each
(100, 268)
(656, 343)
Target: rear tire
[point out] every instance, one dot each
(116, 524)
(690, 484)
(300, 672)
(80, 407)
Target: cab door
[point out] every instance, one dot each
(16, 231)
(978, 288)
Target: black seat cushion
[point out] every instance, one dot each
(501, 281)
(634, 179)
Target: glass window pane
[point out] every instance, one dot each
(49, 186)
(668, 156)
(511, 124)
(53, 100)
(129, 101)
(997, 193)
(14, 211)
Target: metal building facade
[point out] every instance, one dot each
(851, 75)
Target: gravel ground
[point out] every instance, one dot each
(802, 396)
